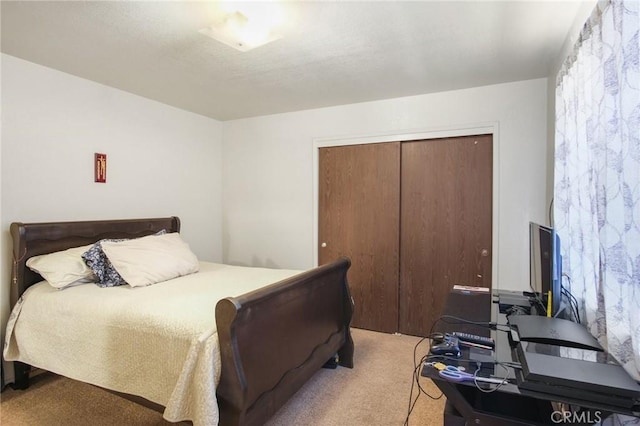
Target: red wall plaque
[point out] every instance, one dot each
(100, 167)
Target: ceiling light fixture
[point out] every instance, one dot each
(245, 26)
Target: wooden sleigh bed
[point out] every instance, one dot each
(272, 340)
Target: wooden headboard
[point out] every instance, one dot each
(33, 239)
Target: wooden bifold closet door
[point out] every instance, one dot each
(359, 217)
(445, 224)
(415, 219)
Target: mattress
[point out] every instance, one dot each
(158, 342)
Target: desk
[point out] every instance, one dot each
(508, 405)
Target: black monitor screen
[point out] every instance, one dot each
(545, 264)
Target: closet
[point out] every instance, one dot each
(414, 217)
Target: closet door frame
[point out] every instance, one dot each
(491, 128)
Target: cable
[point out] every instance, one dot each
(577, 306)
(416, 368)
(415, 379)
(573, 304)
(540, 304)
(572, 299)
(498, 386)
(458, 320)
(510, 364)
(415, 382)
(516, 310)
(444, 318)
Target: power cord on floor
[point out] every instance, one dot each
(415, 381)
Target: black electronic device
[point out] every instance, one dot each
(552, 331)
(474, 339)
(484, 360)
(450, 347)
(589, 380)
(545, 266)
(508, 300)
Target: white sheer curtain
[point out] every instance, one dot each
(597, 177)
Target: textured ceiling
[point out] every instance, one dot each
(333, 53)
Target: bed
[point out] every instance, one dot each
(265, 343)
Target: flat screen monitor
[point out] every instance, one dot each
(546, 265)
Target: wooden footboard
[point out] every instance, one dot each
(274, 339)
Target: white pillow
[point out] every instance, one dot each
(152, 259)
(63, 268)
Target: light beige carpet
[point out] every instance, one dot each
(375, 392)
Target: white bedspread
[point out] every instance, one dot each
(158, 342)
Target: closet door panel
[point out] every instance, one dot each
(446, 211)
(359, 214)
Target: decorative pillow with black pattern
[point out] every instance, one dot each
(99, 263)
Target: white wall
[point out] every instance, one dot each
(268, 169)
(161, 161)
